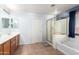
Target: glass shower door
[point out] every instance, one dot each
(53, 29)
(49, 31)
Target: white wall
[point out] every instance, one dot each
(44, 29)
(30, 27)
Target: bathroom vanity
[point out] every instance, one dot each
(9, 36)
(9, 44)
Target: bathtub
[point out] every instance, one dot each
(69, 46)
(58, 38)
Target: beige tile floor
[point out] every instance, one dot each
(37, 49)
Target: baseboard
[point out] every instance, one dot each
(30, 43)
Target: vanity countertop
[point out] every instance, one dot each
(4, 38)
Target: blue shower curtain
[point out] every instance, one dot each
(72, 24)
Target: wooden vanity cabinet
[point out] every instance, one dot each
(13, 45)
(10, 46)
(1, 49)
(17, 41)
(6, 48)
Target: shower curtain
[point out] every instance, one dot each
(72, 24)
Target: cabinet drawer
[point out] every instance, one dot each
(1, 49)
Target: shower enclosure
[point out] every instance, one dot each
(56, 29)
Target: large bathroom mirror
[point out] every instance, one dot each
(4, 22)
(8, 23)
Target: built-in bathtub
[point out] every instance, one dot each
(70, 46)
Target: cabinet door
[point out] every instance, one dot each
(17, 40)
(1, 49)
(7, 48)
(13, 45)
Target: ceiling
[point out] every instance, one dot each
(40, 8)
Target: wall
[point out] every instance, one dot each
(44, 29)
(30, 27)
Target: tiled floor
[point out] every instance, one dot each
(37, 49)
